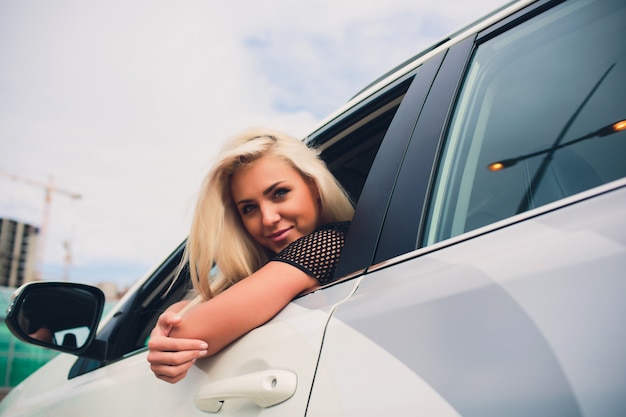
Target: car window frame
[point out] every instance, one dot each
(399, 232)
(362, 239)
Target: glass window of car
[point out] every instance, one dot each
(540, 117)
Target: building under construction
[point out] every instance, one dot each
(18, 250)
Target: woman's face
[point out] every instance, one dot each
(276, 204)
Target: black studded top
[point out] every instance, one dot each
(317, 253)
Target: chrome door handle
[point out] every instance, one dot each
(265, 388)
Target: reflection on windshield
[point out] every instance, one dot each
(538, 177)
(605, 131)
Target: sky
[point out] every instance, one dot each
(125, 103)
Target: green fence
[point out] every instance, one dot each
(18, 360)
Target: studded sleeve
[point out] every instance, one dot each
(317, 253)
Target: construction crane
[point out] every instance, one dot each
(49, 189)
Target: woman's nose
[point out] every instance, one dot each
(269, 215)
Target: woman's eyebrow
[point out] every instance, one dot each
(267, 191)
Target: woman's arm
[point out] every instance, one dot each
(207, 327)
(244, 306)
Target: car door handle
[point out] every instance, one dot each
(265, 388)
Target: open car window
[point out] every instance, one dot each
(348, 145)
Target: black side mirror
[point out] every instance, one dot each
(61, 316)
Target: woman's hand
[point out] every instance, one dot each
(179, 336)
(170, 358)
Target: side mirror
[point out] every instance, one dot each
(61, 316)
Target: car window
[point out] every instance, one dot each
(540, 117)
(348, 144)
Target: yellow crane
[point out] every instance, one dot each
(49, 188)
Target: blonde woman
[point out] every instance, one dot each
(264, 206)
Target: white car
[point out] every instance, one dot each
(484, 273)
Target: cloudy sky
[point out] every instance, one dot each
(126, 102)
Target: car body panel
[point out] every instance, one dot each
(522, 319)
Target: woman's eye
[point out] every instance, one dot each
(247, 209)
(281, 192)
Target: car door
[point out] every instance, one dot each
(267, 372)
(497, 285)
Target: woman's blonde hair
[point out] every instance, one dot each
(219, 250)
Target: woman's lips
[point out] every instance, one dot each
(279, 235)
